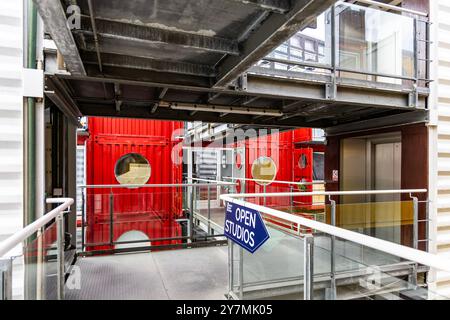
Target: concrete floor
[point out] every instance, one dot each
(197, 274)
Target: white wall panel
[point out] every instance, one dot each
(440, 156)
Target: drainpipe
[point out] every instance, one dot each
(30, 117)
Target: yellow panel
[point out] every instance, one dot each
(373, 215)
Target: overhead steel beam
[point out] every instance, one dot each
(57, 92)
(273, 31)
(161, 95)
(54, 17)
(381, 122)
(131, 32)
(265, 87)
(299, 90)
(249, 101)
(280, 6)
(116, 60)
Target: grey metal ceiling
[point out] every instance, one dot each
(130, 55)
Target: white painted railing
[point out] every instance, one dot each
(22, 235)
(295, 183)
(414, 255)
(19, 238)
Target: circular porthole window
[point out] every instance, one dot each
(238, 161)
(302, 161)
(132, 168)
(264, 168)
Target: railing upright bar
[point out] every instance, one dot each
(6, 279)
(264, 190)
(332, 252)
(308, 267)
(292, 199)
(191, 213)
(40, 264)
(83, 219)
(60, 256)
(415, 222)
(415, 92)
(209, 209)
(111, 217)
(241, 273)
(230, 266)
(332, 89)
(415, 200)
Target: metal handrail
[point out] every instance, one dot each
(327, 193)
(20, 236)
(156, 185)
(393, 8)
(218, 182)
(417, 256)
(279, 181)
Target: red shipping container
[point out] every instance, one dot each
(151, 211)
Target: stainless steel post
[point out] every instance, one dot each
(191, 214)
(111, 218)
(264, 191)
(292, 198)
(230, 266)
(332, 87)
(6, 279)
(60, 255)
(415, 200)
(308, 267)
(209, 209)
(415, 222)
(332, 251)
(241, 273)
(40, 260)
(83, 217)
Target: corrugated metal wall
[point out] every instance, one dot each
(440, 139)
(11, 128)
(11, 120)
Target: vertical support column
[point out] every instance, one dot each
(291, 189)
(230, 266)
(264, 191)
(209, 209)
(6, 279)
(60, 256)
(241, 273)
(331, 88)
(308, 267)
(40, 261)
(413, 278)
(415, 222)
(71, 179)
(332, 295)
(191, 214)
(111, 218)
(414, 95)
(83, 217)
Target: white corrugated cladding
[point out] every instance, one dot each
(440, 139)
(11, 119)
(11, 127)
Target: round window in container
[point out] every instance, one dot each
(264, 168)
(132, 168)
(302, 161)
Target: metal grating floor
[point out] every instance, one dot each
(176, 274)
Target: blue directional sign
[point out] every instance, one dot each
(245, 227)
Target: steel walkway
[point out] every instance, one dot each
(197, 274)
